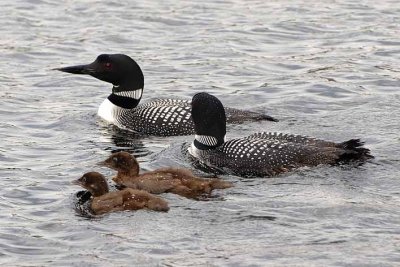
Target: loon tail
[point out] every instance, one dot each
(354, 150)
(220, 184)
(263, 117)
(257, 116)
(238, 116)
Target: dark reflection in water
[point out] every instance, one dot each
(128, 141)
(324, 69)
(82, 204)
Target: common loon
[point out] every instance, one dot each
(162, 117)
(165, 180)
(127, 199)
(260, 154)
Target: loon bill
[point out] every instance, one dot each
(260, 154)
(162, 117)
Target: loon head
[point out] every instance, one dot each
(94, 182)
(209, 120)
(125, 75)
(118, 69)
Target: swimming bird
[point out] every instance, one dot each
(161, 117)
(164, 180)
(127, 199)
(260, 154)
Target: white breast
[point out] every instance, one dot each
(194, 151)
(107, 111)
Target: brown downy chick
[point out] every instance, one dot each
(165, 180)
(128, 199)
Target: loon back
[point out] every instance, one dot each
(163, 117)
(260, 154)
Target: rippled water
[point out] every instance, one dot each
(324, 68)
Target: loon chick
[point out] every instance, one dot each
(164, 180)
(260, 154)
(162, 117)
(126, 199)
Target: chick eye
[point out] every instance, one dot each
(108, 65)
(115, 159)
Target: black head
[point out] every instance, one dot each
(118, 69)
(122, 161)
(209, 117)
(94, 182)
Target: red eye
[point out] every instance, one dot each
(108, 65)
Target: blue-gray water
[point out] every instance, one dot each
(325, 68)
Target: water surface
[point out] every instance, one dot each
(326, 68)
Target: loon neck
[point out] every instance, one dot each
(207, 142)
(119, 100)
(125, 98)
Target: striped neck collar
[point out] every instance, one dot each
(124, 98)
(206, 142)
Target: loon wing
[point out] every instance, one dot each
(162, 120)
(263, 156)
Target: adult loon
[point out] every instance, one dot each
(162, 117)
(260, 154)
